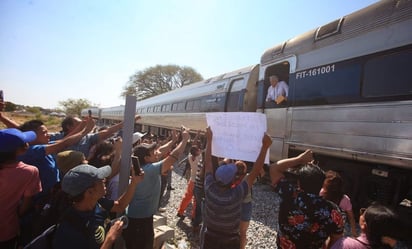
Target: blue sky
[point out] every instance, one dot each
(52, 50)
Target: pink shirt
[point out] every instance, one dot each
(360, 242)
(345, 203)
(17, 180)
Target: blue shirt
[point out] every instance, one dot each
(85, 144)
(146, 197)
(49, 173)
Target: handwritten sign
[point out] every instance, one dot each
(237, 135)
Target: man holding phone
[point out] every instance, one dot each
(139, 233)
(136, 165)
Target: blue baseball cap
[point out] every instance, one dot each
(80, 178)
(11, 139)
(226, 173)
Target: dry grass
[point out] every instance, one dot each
(52, 123)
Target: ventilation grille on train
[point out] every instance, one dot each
(329, 29)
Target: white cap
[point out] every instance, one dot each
(137, 136)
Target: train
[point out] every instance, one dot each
(350, 101)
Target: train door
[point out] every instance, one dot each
(278, 120)
(281, 70)
(235, 95)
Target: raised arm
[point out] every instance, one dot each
(105, 134)
(8, 122)
(208, 153)
(117, 157)
(174, 155)
(164, 149)
(276, 169)
(124, 200)
(70, 140)
(258, 165)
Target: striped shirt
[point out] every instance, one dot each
(222, 205)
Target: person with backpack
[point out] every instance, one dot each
(85, 224)
(19, 182)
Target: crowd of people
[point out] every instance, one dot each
(83, 167)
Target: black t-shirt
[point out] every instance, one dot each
(83, 229)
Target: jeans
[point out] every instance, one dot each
(139, 234)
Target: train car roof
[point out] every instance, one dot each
(355, 24)
(192, 90)
(113, 108)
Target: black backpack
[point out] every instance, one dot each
(45, 239)
(49, 210)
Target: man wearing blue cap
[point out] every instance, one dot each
(19, 182)
(85, 223)
(223, 203)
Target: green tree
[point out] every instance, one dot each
(74, 106)
(10, 107)
(155, 80)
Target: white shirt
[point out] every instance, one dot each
(194, 165)
(281, 88)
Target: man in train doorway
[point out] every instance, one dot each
(277, 91)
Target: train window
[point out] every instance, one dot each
(196, 105)
(235, 97)
(338, 84)
(174, 106)
(165, 108)
(181, 106)
(388, 75)
(237, 85)
(189, 105)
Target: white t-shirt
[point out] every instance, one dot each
(281, 88)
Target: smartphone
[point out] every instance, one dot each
(121, 218)
(136, 165)
(90, 113)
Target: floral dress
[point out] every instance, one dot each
(305, 220)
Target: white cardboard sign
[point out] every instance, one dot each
(237, 135)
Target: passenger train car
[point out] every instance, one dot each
(350, 100)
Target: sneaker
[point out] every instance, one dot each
(162, 210)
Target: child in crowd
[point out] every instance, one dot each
(332, 190)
